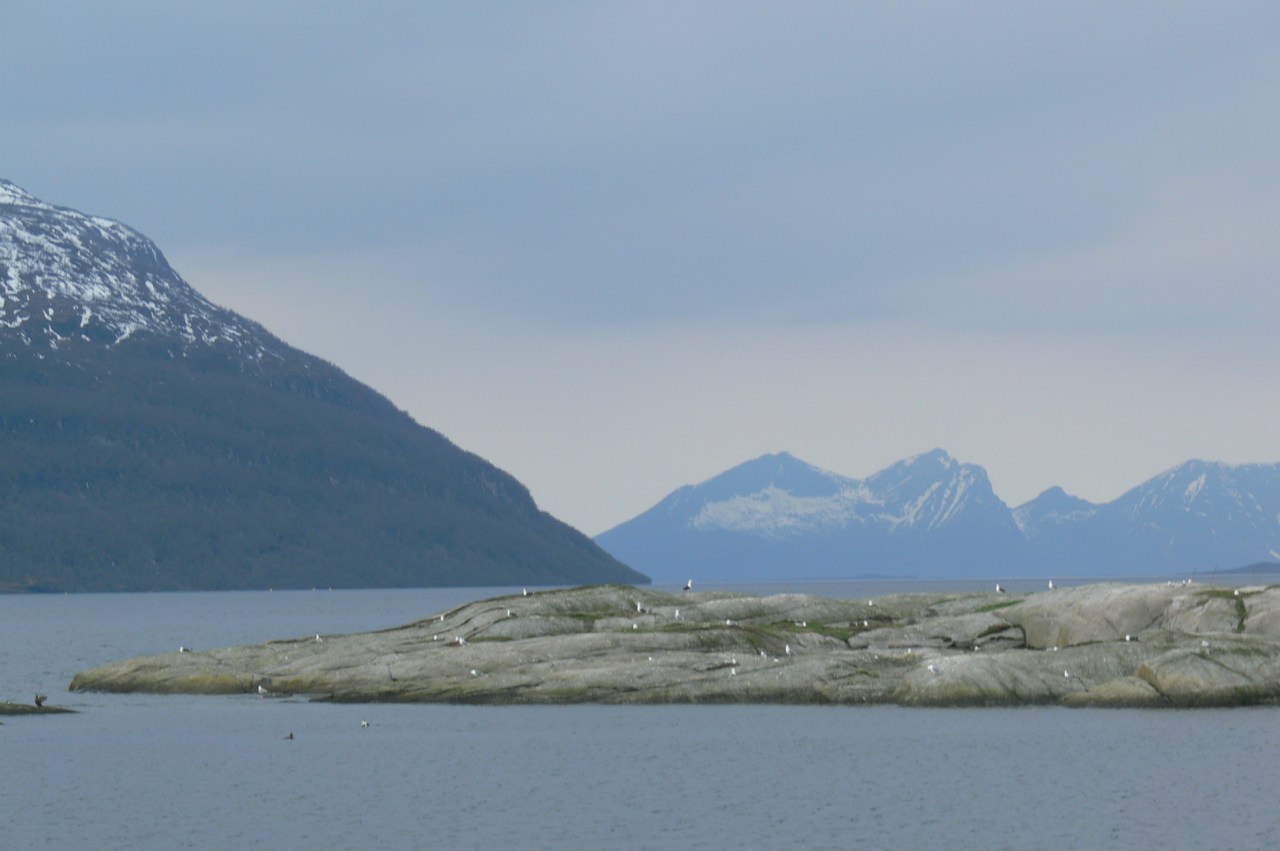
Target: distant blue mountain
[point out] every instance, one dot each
(931, 516)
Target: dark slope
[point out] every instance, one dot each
(151, 440)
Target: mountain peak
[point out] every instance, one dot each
(934, 457)
(12, 193)
(1053, 506)
(69, 280)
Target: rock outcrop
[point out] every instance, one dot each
(1094, 645)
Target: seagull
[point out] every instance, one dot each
(677, 614)
(364, 723)
(524, 592)
(639, 608)
(933, 669)
(459, 641)
(509, 613)
(262, 690)
(41, 698)
(319, 640)
(688, 586)
(474, 672)
(787, 649)
(1066, 674)
(1128, 637)
(1000, 589)
(1051, 585)
(183, 649)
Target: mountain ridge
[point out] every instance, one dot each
(931, 516)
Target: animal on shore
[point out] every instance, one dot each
(1000, 589)
(1051, 585)
(688, 586)
(41, 698)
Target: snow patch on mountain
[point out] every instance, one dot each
(777, 513)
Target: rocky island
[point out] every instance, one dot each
(1118, 645)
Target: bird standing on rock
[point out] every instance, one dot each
(41, 698)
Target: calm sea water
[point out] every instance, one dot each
(138, 771)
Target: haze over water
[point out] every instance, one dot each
(139, 771)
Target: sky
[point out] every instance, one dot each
(616, 248)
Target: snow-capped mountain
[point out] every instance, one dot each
(68, 278)
(1198, 514)
(152, 440)
(777, 516)
(931, 515)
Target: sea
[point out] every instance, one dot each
(169, 772)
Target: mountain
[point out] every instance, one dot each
(152, 440)
(931, 516)
(777, 516)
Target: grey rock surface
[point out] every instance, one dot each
(1094, 645)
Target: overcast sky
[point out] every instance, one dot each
(617, 248)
